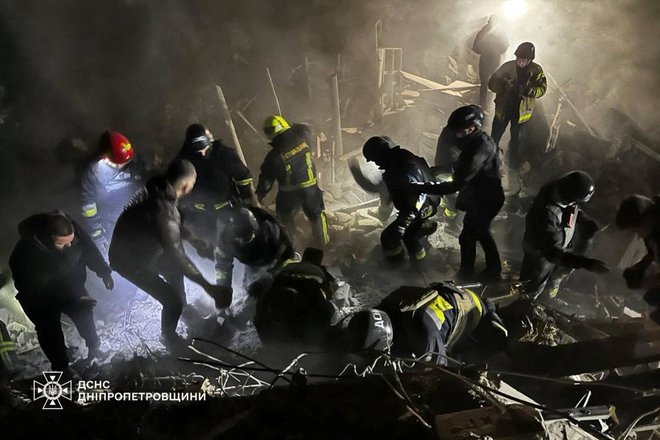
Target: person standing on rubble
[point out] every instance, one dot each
(415, 211)
(517, 85)
(290, 163)
(147, 248)
(477, 178)
(557, 234)
(107, 184)
(49, 266)
(490, 44)
(223, 181)
(641, 215)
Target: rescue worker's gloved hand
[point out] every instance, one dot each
(634, 278)
(596, 266)
(108, 281)
(87, 301)
(221, 294)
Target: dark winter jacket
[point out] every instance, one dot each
(446, 152)
(221, 178)
(289, 163)
(491, 42)
(549, 229)
(477, 172)
(44, 275)
(149, 228)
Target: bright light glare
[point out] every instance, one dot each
(514, 9)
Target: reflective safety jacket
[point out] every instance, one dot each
(517, 87)
(222, 178)
(104, 191)
(289, 163)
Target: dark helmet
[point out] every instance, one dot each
(631, 211)
(370, 330)
(526, 51)
(576, 186)
(243, 226)
(376, 146)
(466, 117)
(198, 137)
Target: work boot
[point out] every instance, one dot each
(489, 276)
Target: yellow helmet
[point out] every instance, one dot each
(274, 125)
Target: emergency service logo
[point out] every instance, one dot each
(52, 390)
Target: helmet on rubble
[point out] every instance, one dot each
(374, 149)
(466, 117)
(275, 125)
(575, 187)
(243, 226)
(370, 330)
(116, 147)
(198, 137)
(526, 51)
(631, 211)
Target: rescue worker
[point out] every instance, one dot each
(290, 163)
(517, 85)
(49, 266)
(223, 181)
(9, 362)
(295, 307)
(427, 322)
(413, 222)
(107, 184)
(147, 247)
(557, 233)
(641, 215)
(477, 178)
(490, 44)
(256, 239)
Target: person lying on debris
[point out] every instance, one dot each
(557, 234)
(147, 247)
(294, 308)
(641, 215)
(427, 322)
(49, 266)
(477, 179)
(414, 222)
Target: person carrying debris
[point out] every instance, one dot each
(557, 233)
(426, 322)
(107, 184)
(294, 307)
(415, 211)
(290, 163)
(517, 85)
(49, 266)
(147, 247)
(490, 44)
(641, 215)
(223, 181)
(477, 178)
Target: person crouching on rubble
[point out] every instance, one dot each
(557, 233)
(477, 178)
(49, 266)
(641, 215)
(414, 222)
(147, 248)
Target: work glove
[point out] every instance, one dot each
(634, 278)
(596, 266)
(108, 281)
(222, 295)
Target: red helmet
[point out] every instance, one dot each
(117, 148)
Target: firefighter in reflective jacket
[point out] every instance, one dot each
(517, 85)
(107, 184)
(413, 223)
(223, 180)
(427, 322)
(290, 164)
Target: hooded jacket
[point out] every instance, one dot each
(46, 276)
(151, 227)
(530, 88)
